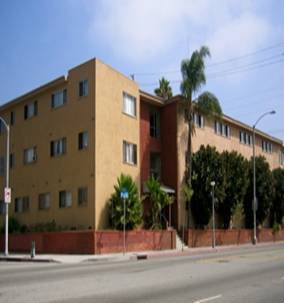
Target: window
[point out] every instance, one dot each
(65, 199)
(83, 140)
(12, 160)
(267, 147)
(129, 105)
(58, 147)
(155, 124)
(82, 196)
(30, 110)
(222, 129)
(30, 155)
(2, 166)
(83, 88)
(281, 157)
(155, 165)
(198, 120)
(22, 204)
(12, 117)
(44, 201)
(245, 138)
(129, 153)
(58, 98)
(2, 127)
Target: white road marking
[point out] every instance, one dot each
(209, 299)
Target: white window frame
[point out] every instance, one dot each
(44, 201)
(30, 110)
(58, 98)
(129, 106)
(83, 140)
(30, 155)
(129, 153)
(66, 197)
(58, 147)
(83, 88)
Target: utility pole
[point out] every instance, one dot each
(7, 190)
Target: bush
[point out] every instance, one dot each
(134, 209)
(14, 226)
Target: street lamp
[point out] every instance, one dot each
(254, 179)
(212, 183)
(7, 191)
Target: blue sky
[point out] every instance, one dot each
(42, 39)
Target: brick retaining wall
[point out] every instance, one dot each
(83, 242)
(200, 238)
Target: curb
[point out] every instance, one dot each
(15, 259)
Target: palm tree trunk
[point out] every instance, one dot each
(189, 152)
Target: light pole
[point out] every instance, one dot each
(254, 178)
(212, 183)
(7, 191)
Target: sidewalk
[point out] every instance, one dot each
(119, 257)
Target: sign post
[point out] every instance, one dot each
(124, 195)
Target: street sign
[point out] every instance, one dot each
(124, 194)
(7, 195)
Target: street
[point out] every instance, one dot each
(250, 275)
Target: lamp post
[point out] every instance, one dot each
(212, 183)
(7, 191)
(254, 177)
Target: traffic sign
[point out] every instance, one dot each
(124, 194)
(7, 195)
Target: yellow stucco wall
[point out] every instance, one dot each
(112, 127)
(50, 175)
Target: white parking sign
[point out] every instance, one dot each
(7, 194)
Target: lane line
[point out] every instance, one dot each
(209, 299)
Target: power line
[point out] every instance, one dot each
(216, 63)
(224, 74)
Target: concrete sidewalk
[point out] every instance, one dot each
(119, 257)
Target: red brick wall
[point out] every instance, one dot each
(200, 238)
(169, 154)
(147, 143)
(83, 242)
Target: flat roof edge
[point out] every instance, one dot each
(33, 92)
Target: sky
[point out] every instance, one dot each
(42, 39)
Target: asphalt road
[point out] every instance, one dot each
(242, 275)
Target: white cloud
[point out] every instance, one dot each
(144, 30)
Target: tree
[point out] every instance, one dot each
(277, 209)
(159, 200)
(134, 209)
(264, 192)
(193, 78)
(207, 167)
(164, 90)
(236, 179)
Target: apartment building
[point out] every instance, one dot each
(72, 137)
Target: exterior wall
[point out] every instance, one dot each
(90, 242)
(200, 238)
(66, 172)
(147, 143)
(112, 127)
(169, 156)
(207, 136)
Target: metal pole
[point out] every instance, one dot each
(124, 223)
(213, 219)
(7, 185)
(254, 190)
(254, 175)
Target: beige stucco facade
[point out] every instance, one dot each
(206, 135)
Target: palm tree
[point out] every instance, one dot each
(164, 90)
(193, 78)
